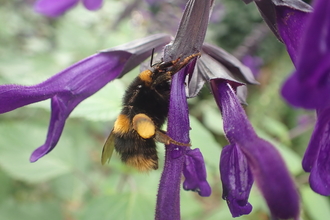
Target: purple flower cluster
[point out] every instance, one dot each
(308, 87)
(247, 157)
(56, 8)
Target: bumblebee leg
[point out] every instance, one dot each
(144, 126)
(162, 137)
(164, 65)
(177, 66)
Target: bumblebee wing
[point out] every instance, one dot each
(108, 148)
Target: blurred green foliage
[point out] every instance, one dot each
(69, 183)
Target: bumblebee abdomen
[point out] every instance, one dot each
(137, 152)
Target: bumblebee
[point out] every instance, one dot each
(144, 111)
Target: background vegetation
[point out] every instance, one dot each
(69, 183)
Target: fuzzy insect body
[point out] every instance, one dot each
(145, 109)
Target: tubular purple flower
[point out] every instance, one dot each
(189, 40)
(246, 155)
(56, 8)
(265, 163)
(307, 85)
(195, 173)
(236, 180)
(316, 159)
(286, 18)
(307, 88)
(168, 198)
(76, 83)
(254, 63)
(92, 5)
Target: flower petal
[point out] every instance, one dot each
(320, 174)
(231, 63)
(192, 29)
(306, 87)
(53, 8)
(76, 83)
(195, 173)
(291, 23)
(266, 164)
(168, 198)
(187, 41)
(93, 5)
(269, 12)
(73, 85)
(70, 81)
(254, 63)
(317, 156)
(236, 180)
(209, 68)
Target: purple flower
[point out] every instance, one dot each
(180, 159)
(247, 156)
(55, 8)
(286, 18)
(236, 180)
(308, 87)
(76, 83)
(253, 62)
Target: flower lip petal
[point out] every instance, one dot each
(57, 122)
(316, 159)
(53, 8)
(93, 4)
(195, 173)
(236, 179)
(306, 86)
(320, 178)
(318, 139)
(73, 85)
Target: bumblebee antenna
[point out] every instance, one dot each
(152, 57)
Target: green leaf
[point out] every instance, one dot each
(19, 139)
(276, 129)
(202, 138)
(212, 119)
(14, 210)
(104, 105)
(191, 206)
(126, 206)
(17, 142)
(6, 186)
(316, 206)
